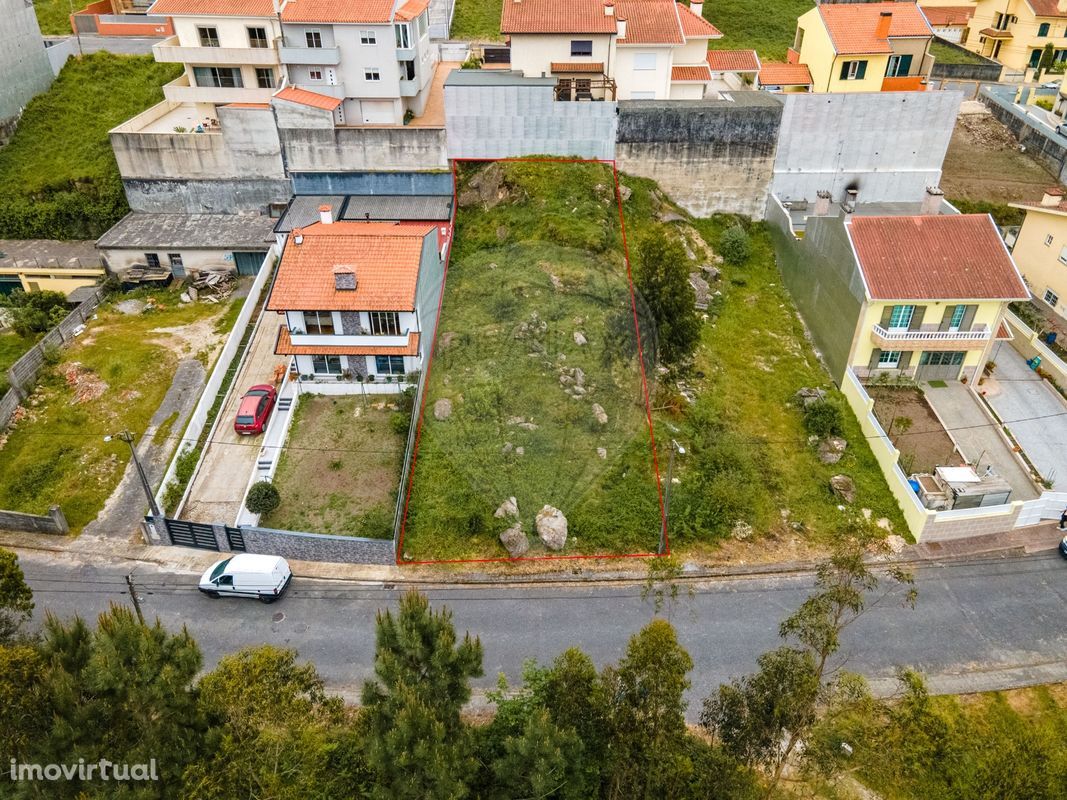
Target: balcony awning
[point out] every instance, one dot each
(579, 67)
(995, 33)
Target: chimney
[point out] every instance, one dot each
(620, 27)
(609, 8)
(931, 205)
(848, 205)
(298, 236)
(885, 19)
(344, 277)
(822, 203)
(697, 7)
(1053, 196)
(325, 214)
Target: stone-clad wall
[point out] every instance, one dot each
(318, 547)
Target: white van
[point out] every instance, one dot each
(247, 575)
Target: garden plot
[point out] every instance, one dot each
(535, 422)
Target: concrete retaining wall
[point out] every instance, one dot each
(318, 547)
(228, 195)
(392, 183)
(53, 522)
(888, 145)
(23, 61)
(708, 155)
(989, 70)
(58, 51)
(363, 149)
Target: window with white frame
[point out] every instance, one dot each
(581, 47)
(389, 365)
(1063, 254)
(318, 322)
(367, 37)
(313, 38)
(315, 75)
(372, 74)
(384, 323)
(1051, 298)
(326, 365)
(644, 61)
(209, 37)
(1048, 240)
(403, 36)
(901, 317)
(265, 77)
(957, 317)
(422, 24)
(257, 38)
(218, 77)
(889, 359)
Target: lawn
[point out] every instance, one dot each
(114, 376)
(340, 470)
(58, 177)
(768, 29)
(54, 15)
(536, 355)
(945, 54)
(477, 20)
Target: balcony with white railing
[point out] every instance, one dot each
(345, 340)
(170, 50)
(930, 338)
(180, 90)
(316, 56)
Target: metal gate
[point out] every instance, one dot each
(236, 539)
(192, 534)
(249, 263)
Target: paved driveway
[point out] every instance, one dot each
(1033, 411)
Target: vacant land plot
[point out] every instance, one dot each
(913, 427)
(58, 177)
(340, 470)
(113, 377)
(535, 389)
(477, 20)
(770, 31)
(54, 15)
(984, 170)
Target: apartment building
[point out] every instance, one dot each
(377, 60)
(864, 47)
(612, 49)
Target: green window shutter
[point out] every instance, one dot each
(876, 355)
(861, 70)
(887, 314)
(844, 70)
(917, 318)
(904, 68)
(968, 318)
(946, 321)
(905, 360)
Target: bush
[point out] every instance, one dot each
(733, 245)
(823, 418)
(36, 312)
(400, 423)
(263, 498)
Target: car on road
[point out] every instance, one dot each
(247, 575)
(1063, 547)
(255, 408)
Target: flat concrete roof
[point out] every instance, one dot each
(190, 232)
(494, 77)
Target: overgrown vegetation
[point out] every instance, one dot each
(770, 32)
(945, 54)
(53, 16)
(35, 313)
(58, 177)
(477, 20)
(1003, 214)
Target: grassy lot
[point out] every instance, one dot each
(54, 15)
(58, 178)
(991, 745)
(944, 54)
(114, 376)
(526, 275)
(769, 32)
(477, 20)
(351, 487)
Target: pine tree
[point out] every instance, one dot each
(541, 762)
(661, 276)
(417, 744)
(16, 599)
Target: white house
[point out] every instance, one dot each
(359, 299)
(375, 58)
(612, 49)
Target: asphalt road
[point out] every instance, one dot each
(978, 625)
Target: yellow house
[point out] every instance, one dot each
(935, 291)
(864, 47)
(48, 279)
(1040, 250)
(1015, 32)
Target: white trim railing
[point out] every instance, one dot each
(893, 335)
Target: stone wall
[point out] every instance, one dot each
(318, 547)
(708, 155)
(52, 522)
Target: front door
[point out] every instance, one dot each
(935, 366)
(248, 263)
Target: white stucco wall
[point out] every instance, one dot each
(631, 80)
(533, 54)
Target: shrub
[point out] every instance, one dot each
(1044, 102)
(400, 423)
(823, 418)
(263, 498)
(36, 312)
(733, 245)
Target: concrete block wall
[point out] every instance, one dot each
(506, 121)
(888, 145)
(363, 149)
(53, 522)
(708, 155)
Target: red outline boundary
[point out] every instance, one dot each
(641, 363)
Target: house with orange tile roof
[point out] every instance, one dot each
(864, 47)
(1040, 249)
(360, 300)
(1016, 32)
(775, 76)
(612, 49)
(949, 22)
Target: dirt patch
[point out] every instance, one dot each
(984, 163)
(85, 383)
(192, 338)
(913, 428)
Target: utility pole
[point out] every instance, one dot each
(127, 437)
(133, 597)
(675, 447)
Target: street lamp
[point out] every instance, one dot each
(675, 448)
(127, 437)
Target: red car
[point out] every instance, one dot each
(255, 407)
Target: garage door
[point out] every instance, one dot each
(377, 112)
(248, 263)
(939, 366)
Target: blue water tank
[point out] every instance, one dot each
(1050, 337)
(914, 484)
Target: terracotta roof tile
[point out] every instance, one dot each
(369, 11)
(650, 22)
(698, 73)
(853, 27)
(386, 258)
(306, 98)
(695, 27)
(585, 67)
(411, 9)
(733, 60)
(553, 16)
(1047, 8)
(935, 257)
(947, 16)
(774, 73)
(283, 346)
(213, 8)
